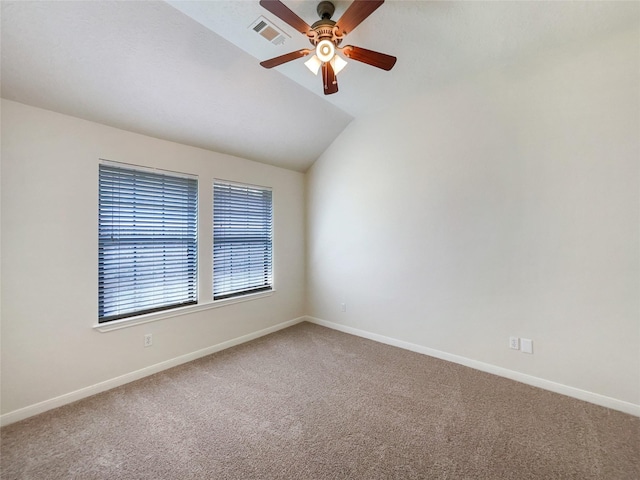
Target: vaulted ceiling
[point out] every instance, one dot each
(188, 71)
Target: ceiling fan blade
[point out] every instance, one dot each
(356, 13)
(283, 12)
(287, 57)
(329, 80)
(375, 59)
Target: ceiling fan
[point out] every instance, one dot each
(326, 36)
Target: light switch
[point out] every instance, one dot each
(526, 345)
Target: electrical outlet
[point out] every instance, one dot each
(343, 307)
(148, 340)
(514, 343)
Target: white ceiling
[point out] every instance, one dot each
(188, 71)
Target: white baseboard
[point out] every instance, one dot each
(587, 396)
(70, 397)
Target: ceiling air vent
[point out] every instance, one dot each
(269, 31)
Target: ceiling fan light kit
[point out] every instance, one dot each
(338, 64)
(326, 36)
(313, 64)
(325, 50)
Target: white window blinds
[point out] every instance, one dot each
(242, 240)
(147, 246)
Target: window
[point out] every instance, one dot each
(147, 241)
(242, 240)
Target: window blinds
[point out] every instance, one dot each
(242, 240)
(147, 242)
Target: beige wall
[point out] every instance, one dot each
(503, 205)
(49, 255)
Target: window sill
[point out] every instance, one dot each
(177, 312)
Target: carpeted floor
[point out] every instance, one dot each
(312, 403)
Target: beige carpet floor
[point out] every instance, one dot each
(312, 403)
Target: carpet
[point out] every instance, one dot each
(309, 402)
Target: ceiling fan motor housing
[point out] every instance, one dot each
(325, 28)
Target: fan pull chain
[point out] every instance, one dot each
(325, 74)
